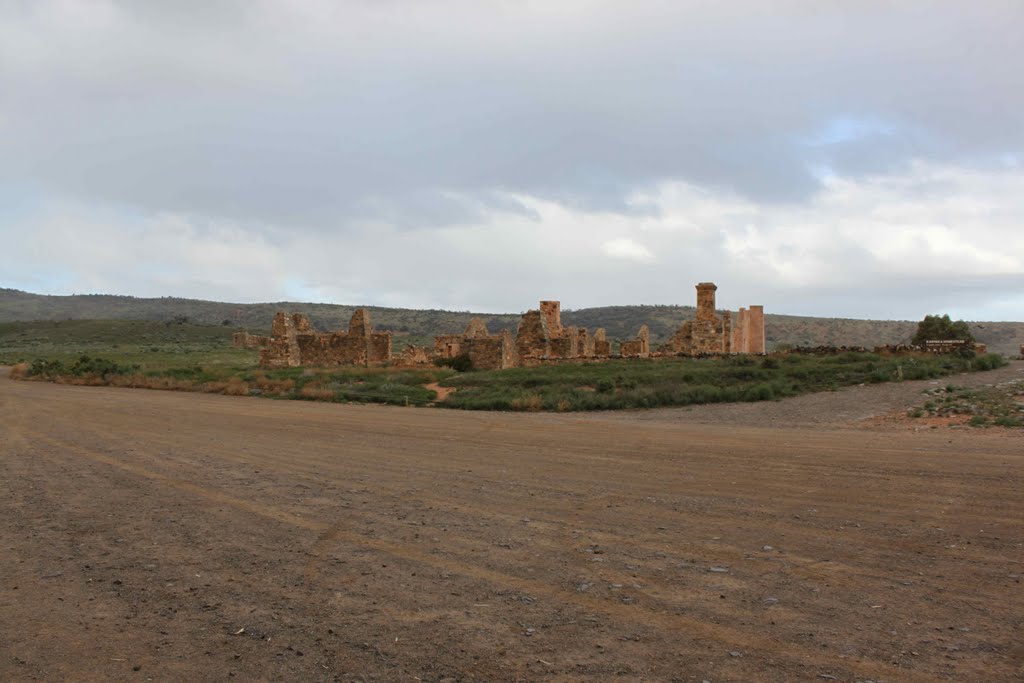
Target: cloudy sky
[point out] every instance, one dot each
(852, 158)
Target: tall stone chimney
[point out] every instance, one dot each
(706, 300)
(552, 312)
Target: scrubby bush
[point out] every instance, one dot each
(935, 327)
(459, 363)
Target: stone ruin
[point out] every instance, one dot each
(711, 334)
(294, 342)
(486, 351)
(639, 347)
(244, 340)
(748, 332)
(540, 338)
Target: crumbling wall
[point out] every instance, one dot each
(294, 342)
(485, 351)
(584, 343)
(448, 345)
(748, 333)
(711, 334)
(739, 339)
(552, 312)
(244, 340)
(283, 350)
(533, 338)
(602, 347)
(494, 352)
(541, 336)
(706, 300)
(413, 356)
(754, 333)
(476, 329)
(639, 347)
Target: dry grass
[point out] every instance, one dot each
(530, 404)
(273, 387)
(234, 386)
(317, 392)
(19, 371)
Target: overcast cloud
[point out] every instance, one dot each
(851, 159)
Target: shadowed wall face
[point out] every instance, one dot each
(706, 301)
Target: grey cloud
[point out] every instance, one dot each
(418, 99)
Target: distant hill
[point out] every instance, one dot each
(621, 322)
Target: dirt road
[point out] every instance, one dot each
(162, 536)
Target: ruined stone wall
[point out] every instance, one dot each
(448, 345)
(541, 336)
(602, 347)
(294, 342)
(413, 356)
(494, 352)
(639, 347)
(485, 351)
(552, 312)
(476, 329)
(567, 345)
(739, 340)
(708, 333)
(584, 343)
(727, 333)
(283, 349)
(706, 300)
(244, 340)
(379, 348)
(533, 338)
(754, 334)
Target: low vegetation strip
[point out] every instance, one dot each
(361, 385)
(614, 385)
(679, 382)
(1000, 405)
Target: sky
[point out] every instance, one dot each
(858, 159)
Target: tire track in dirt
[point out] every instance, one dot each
(178, 474)
(702, 629)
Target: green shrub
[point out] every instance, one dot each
(42, 367)
(459, 363)
(990, 361)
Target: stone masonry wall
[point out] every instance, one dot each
(639, 347)
(294, 342)
(708, 333)
(485, 351)
(244, 340)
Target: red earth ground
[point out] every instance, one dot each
(165, 536)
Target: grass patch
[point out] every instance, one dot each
(185, 357)
(1001, 405)
(619, 384)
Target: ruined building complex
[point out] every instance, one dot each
(485, 350)
(294, 342)
(708, 333)
(540, 338)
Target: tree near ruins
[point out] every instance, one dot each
(935, 327)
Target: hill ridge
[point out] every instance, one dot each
(620, 321)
